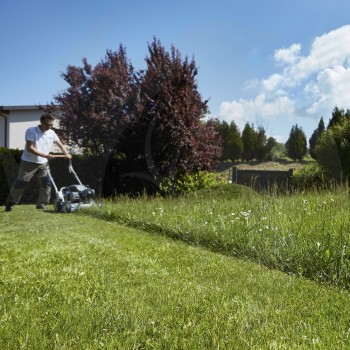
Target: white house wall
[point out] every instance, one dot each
(18, 122)
(2, 131)
(19, 119)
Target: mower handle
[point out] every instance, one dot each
(58, 155)
(70, 166)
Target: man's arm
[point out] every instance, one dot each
(30, 148)
(63, 149)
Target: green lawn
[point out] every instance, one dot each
(75, 282)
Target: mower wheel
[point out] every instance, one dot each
(58, 205)
(67, 207)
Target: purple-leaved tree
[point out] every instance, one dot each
(150, 124)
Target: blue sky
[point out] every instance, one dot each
(274, 63)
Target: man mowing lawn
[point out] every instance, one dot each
(34, 162)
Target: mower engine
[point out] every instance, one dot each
(73, 198)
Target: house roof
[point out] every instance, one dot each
(14, 108)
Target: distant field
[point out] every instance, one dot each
(285, 165)
(224, 168)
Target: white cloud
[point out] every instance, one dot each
(252, 84)
(327, 51)
(272, 82)
(308, 85)
(331, 88)
(289, 55)
(244, 111)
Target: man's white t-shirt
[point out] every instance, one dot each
(42, 140)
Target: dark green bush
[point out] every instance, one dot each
(105, 176)
(311, 177)
(9, 164)
(90, 170)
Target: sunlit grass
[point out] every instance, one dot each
(76, 282)
(306, 234)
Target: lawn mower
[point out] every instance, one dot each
(73, 197)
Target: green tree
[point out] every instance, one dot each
(327, 156)
(315, 138)
(231, 139)
(337, 116)
(249, 142)
(271, 145)
(234, 144)
(296, 144)
(260, 148)
(333, 150)
(223, 129)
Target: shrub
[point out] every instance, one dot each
(190, 183)
(310, 177)
(328, 156)
(9, 164)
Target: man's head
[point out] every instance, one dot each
(46, 121)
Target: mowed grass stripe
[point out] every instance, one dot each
(75, 282)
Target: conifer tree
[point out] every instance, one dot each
(234, 144)
(231, 140)
(337, 116)
(223, 129)
(271, 144)
(296, 144)
(260, 150)
(249, 142)
(313, 141)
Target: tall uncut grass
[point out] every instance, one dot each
(304, 234)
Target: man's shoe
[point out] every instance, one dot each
(41, 206)
(9, 206)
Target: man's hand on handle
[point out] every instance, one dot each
(53, 156)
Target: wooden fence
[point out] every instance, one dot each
(261, 180)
